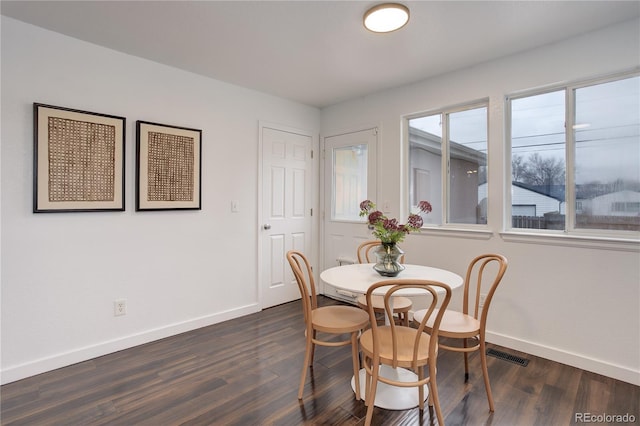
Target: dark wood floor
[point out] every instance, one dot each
(246, 372)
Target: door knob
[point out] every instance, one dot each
(266, 226)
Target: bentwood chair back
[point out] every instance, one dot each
(484, 273)
(400, 346)
(329, 320)
(401, 305)
(365, 252)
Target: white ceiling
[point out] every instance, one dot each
(317, 52)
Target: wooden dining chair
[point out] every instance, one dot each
(401, 305)
(332, 320)
(405, 347)
(487, 269)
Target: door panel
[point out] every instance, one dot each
(286, 211)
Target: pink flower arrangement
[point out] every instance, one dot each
(389, 230)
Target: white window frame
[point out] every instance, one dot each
(481, 231)
(570, 233)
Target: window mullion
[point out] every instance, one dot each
(507, 214)
(570, 154)
(446, 170)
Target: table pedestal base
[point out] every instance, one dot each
(393, 397)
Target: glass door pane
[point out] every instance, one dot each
(349, 181)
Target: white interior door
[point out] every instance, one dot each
(349, 178)
(286, 211)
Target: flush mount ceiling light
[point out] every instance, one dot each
(386, 17)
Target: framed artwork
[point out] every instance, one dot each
(78, 160)
(168, 167)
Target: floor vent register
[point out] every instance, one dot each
(508, 357)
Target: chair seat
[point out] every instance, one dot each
(400, 304)
(406, 337)
(339, 319)
(454, 323)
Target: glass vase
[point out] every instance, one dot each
(388, 255)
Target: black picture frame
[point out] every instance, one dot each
(79, 159)
(168, 167)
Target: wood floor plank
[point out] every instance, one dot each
(246, 372)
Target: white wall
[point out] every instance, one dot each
(567, 301)
(178, 270)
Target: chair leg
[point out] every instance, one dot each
(371, 392)
(421, 389)
(485, 372)
(367, 382)
(433, 386)
(308, 356)
(313, 347)
(466, 361)
(356, 363)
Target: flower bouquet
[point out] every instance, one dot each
(390, 233)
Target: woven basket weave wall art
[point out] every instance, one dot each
(78, 160)
(168, 167)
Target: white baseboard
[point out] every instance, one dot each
(31, 368)
(42, 365)
(604, 368)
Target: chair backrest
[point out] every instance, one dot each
(485, 271)
(440, 294)
(364, 249)
(365, 254)
(303, 273)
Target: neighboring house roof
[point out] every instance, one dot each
(592, 191)
(433, 144)
(553, 191)
(625, 195)
(524, 197)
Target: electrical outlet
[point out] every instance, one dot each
(120, 307)
(481, 302)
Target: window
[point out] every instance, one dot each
(349, 181)
(575, 155)
(537, 157)
(448, 164)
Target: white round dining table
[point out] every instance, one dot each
(357, 278)
(360, 276)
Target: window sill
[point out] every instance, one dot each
(478, 234)
(618, 244)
